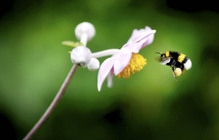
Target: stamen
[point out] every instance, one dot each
(136, 64)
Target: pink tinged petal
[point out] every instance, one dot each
(142, 39)
(147, 28)
(104, 70)
(132, 47)
(138, 35)
(151, 36)
(110, 79)
(147, 36)
(137, 46)
(122, 60)
(134, 36)
(149, 40)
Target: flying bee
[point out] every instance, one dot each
(179, 62)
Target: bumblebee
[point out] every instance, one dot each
(179, 62)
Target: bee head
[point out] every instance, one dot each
(164, 59)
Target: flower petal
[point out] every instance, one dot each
(139, 39)
(110, 79)
(132, 47)
(104, 70)
(150, 37)
(138, 35)
(122, 60)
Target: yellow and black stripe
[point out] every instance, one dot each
(179, 62)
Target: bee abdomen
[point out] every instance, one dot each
(187, 63)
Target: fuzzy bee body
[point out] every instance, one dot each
(179, 62)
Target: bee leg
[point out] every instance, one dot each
(173, 69)
(183, 71)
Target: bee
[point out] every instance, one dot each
(179, 62)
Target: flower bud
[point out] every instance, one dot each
(81, 55)
(94, 64)
(85, 28)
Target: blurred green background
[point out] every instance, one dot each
(151, 104)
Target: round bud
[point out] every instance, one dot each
(81, 55)
(85, 28)
(94, 64)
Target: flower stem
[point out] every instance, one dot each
(53, 103)
(84, 38)
(105, 53)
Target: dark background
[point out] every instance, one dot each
(149, 105)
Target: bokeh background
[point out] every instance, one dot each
(151, 104)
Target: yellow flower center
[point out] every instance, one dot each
(136, 63)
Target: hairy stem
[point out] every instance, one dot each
(53, 103)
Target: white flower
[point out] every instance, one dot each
(127, 61)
